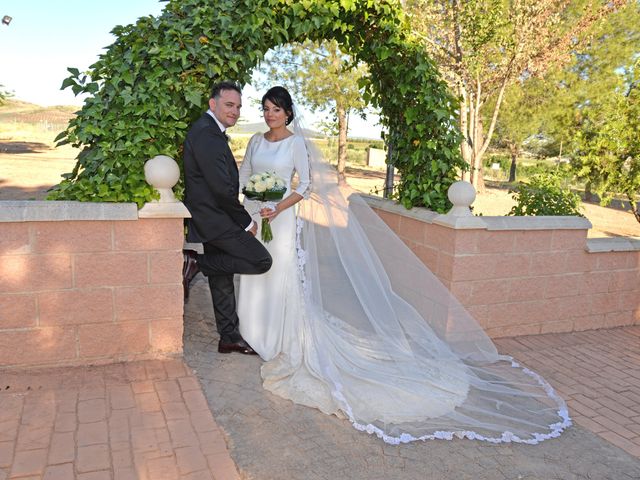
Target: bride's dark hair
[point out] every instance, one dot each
(280, 97)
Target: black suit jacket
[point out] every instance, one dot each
(211, 183)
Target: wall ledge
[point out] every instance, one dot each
(613, 244)
(57, 211)
(537, 223)
(470, 222)
(390, 206)
(481, 222)
(164, 210)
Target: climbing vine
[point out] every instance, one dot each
(154, 80)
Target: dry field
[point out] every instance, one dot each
(28, 168)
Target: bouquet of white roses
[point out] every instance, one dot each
(265, 187)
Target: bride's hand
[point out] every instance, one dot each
(270, 213)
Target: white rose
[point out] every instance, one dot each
(270, 182)
(279, 183)
(256, 177)
(260, 187)
(250, 185)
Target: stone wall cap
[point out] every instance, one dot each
(56, 211)
(461, 223)
(164, 210)
(481, 221)
(386, 205)
(537, 223)
(613, 244)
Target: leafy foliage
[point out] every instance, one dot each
(483, 46)
(544, 195)
(607, 146)
(520, 119)
(589, 109)
(153, 81)
(4, 95)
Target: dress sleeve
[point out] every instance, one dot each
(301, 164)
(245, 170)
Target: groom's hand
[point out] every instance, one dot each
(254, 229)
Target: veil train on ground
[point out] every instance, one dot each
(385, 344)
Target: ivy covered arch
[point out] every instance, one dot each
(153, 81)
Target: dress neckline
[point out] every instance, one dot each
(277, 141)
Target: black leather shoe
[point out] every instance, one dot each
(189, 270)
(240, 347)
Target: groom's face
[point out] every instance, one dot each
(226, 107)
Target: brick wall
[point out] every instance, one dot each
(521, 280)
(90, 291)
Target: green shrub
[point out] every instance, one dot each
(544, 195)
(540, 168)
(357, 157)
(503, 160)
(238, 142)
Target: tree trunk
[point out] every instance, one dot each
(478, 174)
(588, 194)
(514, 158)
(481, 143)
(342, 141)
(465, 147)
(635, 207)
(478, 178)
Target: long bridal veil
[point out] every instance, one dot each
(398, 355)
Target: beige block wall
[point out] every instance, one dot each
(85, 292)
(521, 282)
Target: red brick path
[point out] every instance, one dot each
(137, 421)
(597, 372)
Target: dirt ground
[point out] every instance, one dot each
(29, 169)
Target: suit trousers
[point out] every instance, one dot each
(234, 252)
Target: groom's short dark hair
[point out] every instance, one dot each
(220, 86)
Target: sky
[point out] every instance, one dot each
(45, 37)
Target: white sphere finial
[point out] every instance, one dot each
(163, 173)
(462, 194)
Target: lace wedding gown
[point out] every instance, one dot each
(350, 322)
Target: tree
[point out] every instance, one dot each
(581, 91)
(483, 46)
(324, 79)
(4, 94)
(519, 118)
(607, 143)
(598, 74)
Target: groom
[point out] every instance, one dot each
(218, 219)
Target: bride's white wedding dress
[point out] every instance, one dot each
(350, 322)
(268, 302)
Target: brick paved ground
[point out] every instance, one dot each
(273, 439)
(137, 421)
(596, 372)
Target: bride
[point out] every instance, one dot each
(351, 322)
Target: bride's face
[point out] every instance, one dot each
(274, 116)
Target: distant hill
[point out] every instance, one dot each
(251, 128)
(25, 112)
